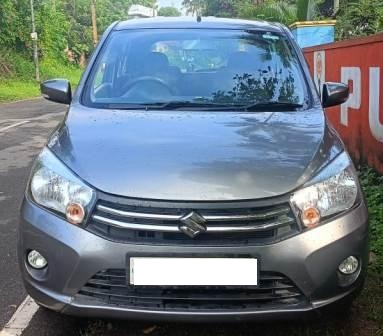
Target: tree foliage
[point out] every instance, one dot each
(14, 27)
(285, 11)
(359, 18)
(62, 25)
(195, 7)
(221, 8)
(169, 11)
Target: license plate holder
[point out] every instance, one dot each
(193, 271)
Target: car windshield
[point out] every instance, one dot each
(165, 68)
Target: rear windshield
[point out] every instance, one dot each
(223, 67)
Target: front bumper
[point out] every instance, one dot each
(310, 260)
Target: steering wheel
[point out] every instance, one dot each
(147, 79)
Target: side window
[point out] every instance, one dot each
(100, 76)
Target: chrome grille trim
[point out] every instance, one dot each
(285, 220)
(134, 226)
(131, 214)
(254, 222)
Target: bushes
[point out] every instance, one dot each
(12, 89)
(54, 28)
(54, 69)
(359, 18)
(18, 71)
(372, 184)
(17, 64)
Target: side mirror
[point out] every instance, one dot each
(334, 94)
(57, 90)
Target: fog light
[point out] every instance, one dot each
(75, 213)
(349, 265)
(36, 260)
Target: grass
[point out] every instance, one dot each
(14, 89)
(21, 84)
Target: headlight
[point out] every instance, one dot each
(332, 191)
(54, 186)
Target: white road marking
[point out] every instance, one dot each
(14, 125)
(28, 308)
(40, 117)
(21, 318)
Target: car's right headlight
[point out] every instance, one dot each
(334, 190)
(53, 186)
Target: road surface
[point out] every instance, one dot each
(24, 127)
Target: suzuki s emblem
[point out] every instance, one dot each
(193, 224)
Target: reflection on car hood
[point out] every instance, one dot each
(193, 155)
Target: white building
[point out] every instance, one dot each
(139, 11)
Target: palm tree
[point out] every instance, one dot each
(281, 11)
(194, 7)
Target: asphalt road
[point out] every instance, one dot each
(24, 127)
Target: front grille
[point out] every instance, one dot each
(226, 223)
(110, 287)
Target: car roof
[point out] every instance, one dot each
(192, 23)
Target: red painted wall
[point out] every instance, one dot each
(358, 62)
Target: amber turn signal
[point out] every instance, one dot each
(75, 213)
(310, 217)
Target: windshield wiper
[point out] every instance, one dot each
(270, 106)
(209, 106)
(179, 104)
(170, 105)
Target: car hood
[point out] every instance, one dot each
(192, 155)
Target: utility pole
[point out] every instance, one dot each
(34, 41)
(336, 7)
(94, 21)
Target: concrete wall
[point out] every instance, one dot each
(359, 63)
(313, 33)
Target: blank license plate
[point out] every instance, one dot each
(193, 271)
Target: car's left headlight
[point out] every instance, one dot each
(334, 190)
(53, 186)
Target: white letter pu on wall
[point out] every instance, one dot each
(319, 69)
(376, 125)
(354, 101)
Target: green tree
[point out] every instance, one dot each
(285, 12)
(14, 24)
(169, 11)
(79, 34)
(221, 8)
(61, 25)
(53, 28)
(359, 18)
(194, 7)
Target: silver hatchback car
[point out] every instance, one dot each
(195, 176)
